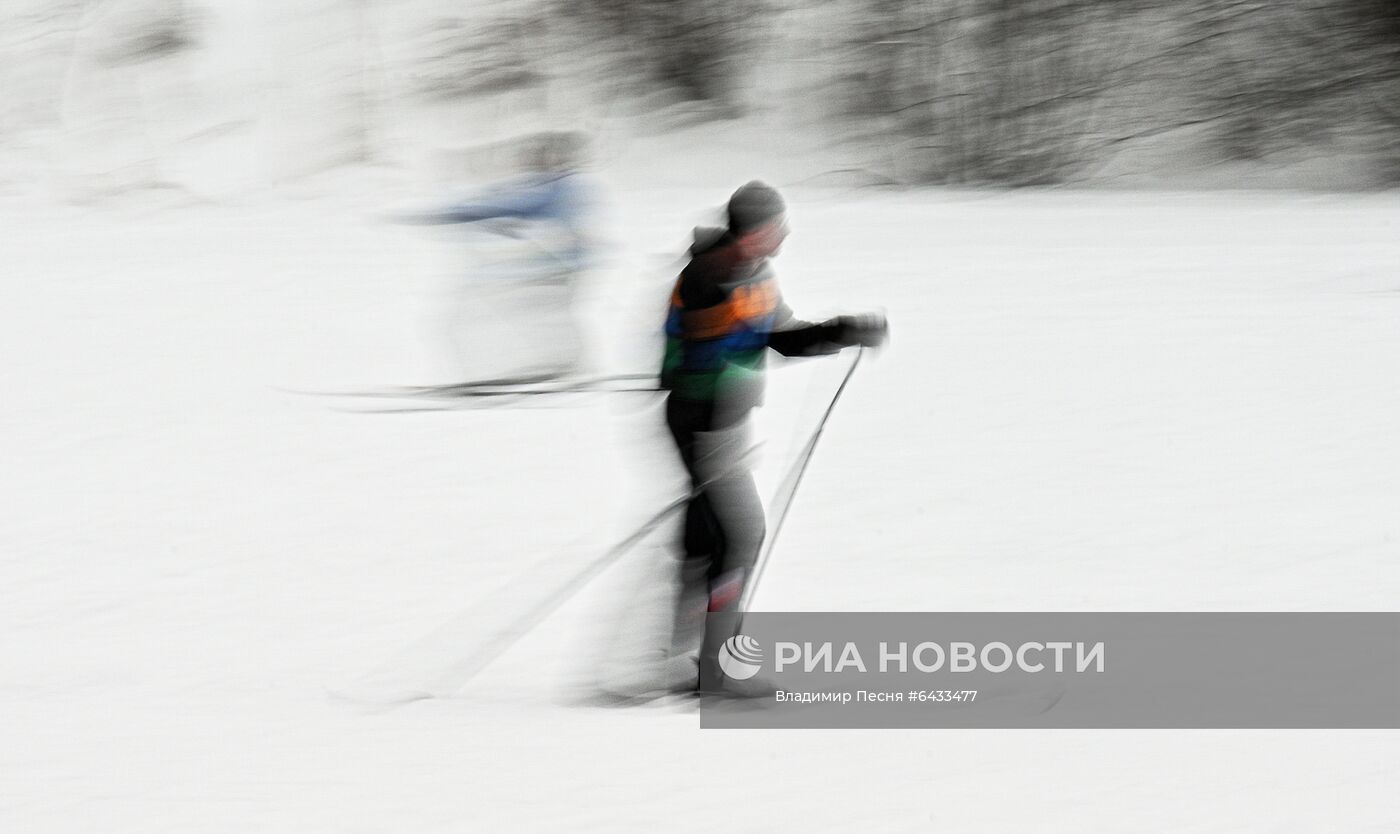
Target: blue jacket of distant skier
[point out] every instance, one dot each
(561, 202)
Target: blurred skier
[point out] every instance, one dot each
(726, 312)
(549, 209)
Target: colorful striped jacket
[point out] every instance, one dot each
(725, 313)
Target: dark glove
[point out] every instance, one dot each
(866, 330)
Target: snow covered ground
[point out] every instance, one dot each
(1090, 402)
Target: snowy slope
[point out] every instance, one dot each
(1090, 402)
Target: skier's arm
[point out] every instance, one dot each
(807, 339)
(793, 337)
(527, 202)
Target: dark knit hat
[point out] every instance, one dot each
(753, 205)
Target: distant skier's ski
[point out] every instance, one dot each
(480, 398)
(505, 386)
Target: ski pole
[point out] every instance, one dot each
(782, 500)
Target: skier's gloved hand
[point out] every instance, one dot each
(866, 330)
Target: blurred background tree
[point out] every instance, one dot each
(979, 92)
(1041, 91)
(689, 51)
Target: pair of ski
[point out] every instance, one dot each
(476, 645)
(399, 399)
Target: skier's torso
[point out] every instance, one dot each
(722, 312)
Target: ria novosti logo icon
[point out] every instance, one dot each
(740, 657)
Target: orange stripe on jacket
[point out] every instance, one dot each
(747, 303)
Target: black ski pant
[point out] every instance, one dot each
(724, 525)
